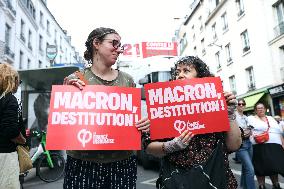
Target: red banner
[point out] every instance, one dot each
(159, 48)
(197, 105)
(96, 118)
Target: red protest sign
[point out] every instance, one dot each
(96, 118)
(180, 105)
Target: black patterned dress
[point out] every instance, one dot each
(198, 151)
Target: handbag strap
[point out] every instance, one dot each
(267, 123)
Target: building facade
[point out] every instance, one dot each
(242, 42)
(27, 28)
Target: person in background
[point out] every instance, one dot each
(246, 150)
(189, 150)
(236, 159)
(102, 169)
(280, 122)
(267, 157)
(10, 130)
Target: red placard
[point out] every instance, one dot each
(197, 105)
(96, 118)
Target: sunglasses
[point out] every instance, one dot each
(241, 104)
(20, 82)
(116, 44)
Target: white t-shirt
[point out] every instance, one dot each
(275, 131)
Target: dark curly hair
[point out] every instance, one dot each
(98, 34)
(201, 68)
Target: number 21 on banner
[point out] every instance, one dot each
(131, 50)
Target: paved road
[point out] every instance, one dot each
(146, 179)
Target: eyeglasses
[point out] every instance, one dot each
(116, 44)
(241, 104)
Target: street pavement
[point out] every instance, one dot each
(145, 178)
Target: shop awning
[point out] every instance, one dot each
(252, 100)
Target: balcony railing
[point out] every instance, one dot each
(10, 7)
(30, 46)
(246, 48)
(251, 86)
(279, 29)
(9, 52)
(219, 67)
(240, 13)
(22, 37)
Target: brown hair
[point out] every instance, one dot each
(259, 103)
(8, 78)
(241, 100)
(98, 34)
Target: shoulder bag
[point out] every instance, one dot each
(262, 137)
(210, 174)
(25, 161)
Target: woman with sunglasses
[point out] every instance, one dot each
(99, 169)
(268, 156)
(189, 151)
(246, 151)
(10, 127)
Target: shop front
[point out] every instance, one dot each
(277, 95)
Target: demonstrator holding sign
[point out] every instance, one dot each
(102, 169)
(188, 157)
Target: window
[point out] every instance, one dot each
(232, 82)
(7, 42)
(195, 51)
(250, 78)
(240, 7)
(203, 46)
(200, 23)
(228, 53)
(224, 21)
(214, 3)
(40, 64)
(7, 35)
(29, 64)
(30, 8)
(183, 43)
(55, 36)
(22, 34)
(217, 57)
(60, 43)
(30, 40)
(214, 31)
(279, 7)
(47, 26)
(41, 18)
(40, 43)
(245, 41)
(21, 60)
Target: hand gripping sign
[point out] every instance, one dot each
(96, 118)
(197, 105)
